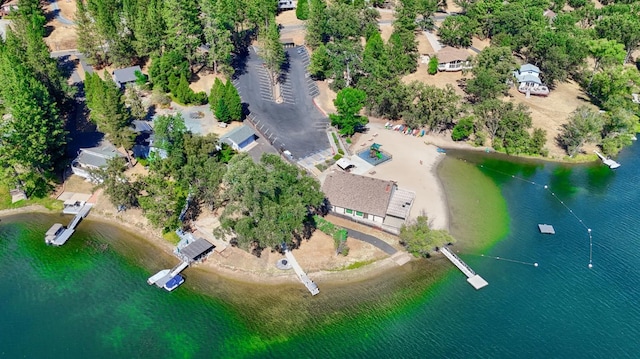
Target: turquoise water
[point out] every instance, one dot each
(89, 298)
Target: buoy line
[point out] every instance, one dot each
(546, 187)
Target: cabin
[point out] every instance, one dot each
(93, 158)
(8, 7)
(240, 138)
(452, 59)
(369, 200)
(529, 82)
(124, 76)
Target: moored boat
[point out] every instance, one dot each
(174, 283)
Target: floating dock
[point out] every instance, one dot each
(311, 286)
(475, 280)
(58, 234)
(607, 161)
(546, 229)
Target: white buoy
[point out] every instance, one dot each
(590, 265)
(535, 264)
(545, 186)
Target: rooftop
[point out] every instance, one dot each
(400, 203)
(97, 156)
(529, 68)
(197, 248)
(125, 75)
(238, 134)
(363, 194)
(449, 54)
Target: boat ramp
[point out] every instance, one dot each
(607, 161)
(58, 234)
(475, 280)
(311, 286)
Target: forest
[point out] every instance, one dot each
(589, 45)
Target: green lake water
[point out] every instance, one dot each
(89, 298)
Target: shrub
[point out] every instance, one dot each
(349, 140)
(433, 65)
(340, 151)
(463, 129)
(480, 139)
(337, 156)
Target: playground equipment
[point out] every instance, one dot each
(375, 152)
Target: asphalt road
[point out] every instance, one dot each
(296, 124)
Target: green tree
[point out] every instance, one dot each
(433, 65)
(302, 10)
(217, 92)
(149, 28)
(420, 240)
(456, 31)
(134, 103)
(218, 37)
(184, 29)
(463, 129)
(233, 102)
(349, 102)
(162, 68)
(163, 201)
(622, 27)
(117, 186)
(272, 51)
(585, 125)
(316, 33)
(431, 106)
(604, 52)
(320, 64)
(222, 111)
(492, 69)
(33, 136)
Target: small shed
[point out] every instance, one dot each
(124, 76)
(239, 138)
(546, 229)
(344, 164)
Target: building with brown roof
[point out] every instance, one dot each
(452, 59)
(366, 198)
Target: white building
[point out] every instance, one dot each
(452, 59)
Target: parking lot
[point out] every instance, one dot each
(296, 124)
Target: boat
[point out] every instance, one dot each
(174, 283)
(154, 278)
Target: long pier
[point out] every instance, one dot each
(311, 286)
(59, 235)
(475, 280)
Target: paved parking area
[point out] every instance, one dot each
(296, 124)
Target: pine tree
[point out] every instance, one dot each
(136, 108)
(272, 51)
(217, 37)
(217, 92)
(184, 30)
(233, 102)
(222, 111)
(302, 10)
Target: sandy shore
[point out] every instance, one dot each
(248, 268)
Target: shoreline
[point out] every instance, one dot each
(211, 266)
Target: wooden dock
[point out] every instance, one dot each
(475, 280)
(311, 286)
(59, 235)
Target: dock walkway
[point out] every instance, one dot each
(311, 286)
(607, 161)
(63, 237)
(475, 280)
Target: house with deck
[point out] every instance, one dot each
(529, 82)
(368, 200)
(452, 59)
(93, 158)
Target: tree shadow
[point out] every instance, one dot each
(284, 68)
(242, 42)
(67, 65)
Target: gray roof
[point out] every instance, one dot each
(97, 156)
(400, 203)
(140, 126)
(546, 229)
(529, 78)
(529, 68)
(359, 193)
(195, 249)
(125, 75)
(238, 135)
